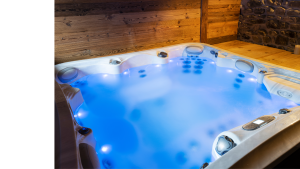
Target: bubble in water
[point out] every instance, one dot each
(181, 158)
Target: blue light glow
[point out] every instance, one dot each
(168, 115)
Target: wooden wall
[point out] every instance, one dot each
(93, 28)
(223, 17)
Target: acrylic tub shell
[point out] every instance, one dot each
(278, 80)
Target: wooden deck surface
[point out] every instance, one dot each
(263, 53)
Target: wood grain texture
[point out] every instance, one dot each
(221, 39)
(204, 21)
(223, 16)
(95, 28)
(263, 53)
(97, 8)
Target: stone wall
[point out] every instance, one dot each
(274, 23)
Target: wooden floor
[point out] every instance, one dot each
(263, 53)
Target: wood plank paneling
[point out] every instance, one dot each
(204, 21)
(81, 9)
(94, 28)
(223, 16)
(224, 2)
(218, 29)
(222, 39)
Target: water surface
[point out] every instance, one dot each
(167, 116)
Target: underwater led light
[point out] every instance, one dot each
(157, 65)
(105, 149)
(125, 73)
(252, 79)
(212, 62)
(79, 114)
(170, 60)
(229, 71)
(105, 75)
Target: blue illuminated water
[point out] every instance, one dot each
(167, 116)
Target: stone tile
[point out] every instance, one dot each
(244, 36)
(281, 40)
(247, 11)
(257, 21)
(295, 19)
(250, 16)
(294, 4)
(295, 27)
(271, 16)
(290, 48)
(259, 11)
(257, 39)
(261, 16)
(254, 3)
(293, 41)
(262, 32)
(280, 11)
(291, 12)
(274, 23)
(291, 34)
(267, 39)
(273, 33)
(270, 10)
(291, 19)
(274, 2)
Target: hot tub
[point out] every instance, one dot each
(169, 107)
